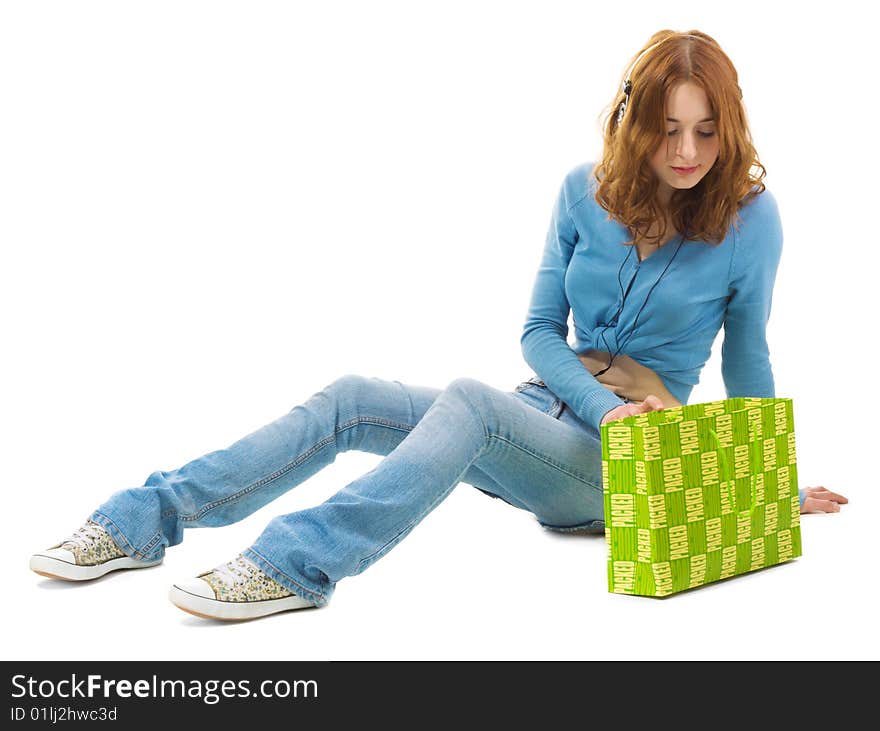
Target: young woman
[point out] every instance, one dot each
(652, 250)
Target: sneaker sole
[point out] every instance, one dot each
(201, 606)
(54, 568)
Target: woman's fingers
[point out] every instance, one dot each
(824, 493)
(653, 402)
(817, 505)
(821, 500)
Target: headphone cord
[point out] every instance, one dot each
(623, 302)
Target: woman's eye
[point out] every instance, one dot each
(702, 134)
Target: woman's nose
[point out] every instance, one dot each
(686, 147)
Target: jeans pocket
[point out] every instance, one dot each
(533, 381)
(538, 395)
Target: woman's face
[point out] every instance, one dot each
(691, 141)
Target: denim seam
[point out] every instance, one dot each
(295, 463)
(311, 592)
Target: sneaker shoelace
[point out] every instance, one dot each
(233, 571)
(85, 536)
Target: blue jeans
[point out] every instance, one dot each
(525, 447)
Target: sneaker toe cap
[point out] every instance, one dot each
(59, 554)
(199, 587)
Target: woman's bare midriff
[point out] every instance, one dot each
(627, 378)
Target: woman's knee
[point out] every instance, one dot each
(350, 383)
(352, 392)
(471, 389)
(350, 395)
(469, 386)
(369, 414)
(480, 398)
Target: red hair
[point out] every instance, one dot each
(627, 185)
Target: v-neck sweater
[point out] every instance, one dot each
(695, 289)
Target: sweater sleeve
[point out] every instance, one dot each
(745, 356)
(544, 344)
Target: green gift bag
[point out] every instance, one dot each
(698, 493)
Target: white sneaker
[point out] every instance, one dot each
(238, 589)
(89, 553)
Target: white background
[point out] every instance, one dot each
(211, 210)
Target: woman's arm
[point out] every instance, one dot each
(745, 354)
(627, 378)
(544, 339)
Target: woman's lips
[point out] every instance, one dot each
(685, 171)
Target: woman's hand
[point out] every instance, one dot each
(651, 403)
(820, 500)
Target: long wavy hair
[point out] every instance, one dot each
(627, 185)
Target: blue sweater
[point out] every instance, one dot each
(704, 287)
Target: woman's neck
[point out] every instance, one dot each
(664, 196)
(654, 230)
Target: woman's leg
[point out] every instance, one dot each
(508, 444)
(227, 485)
